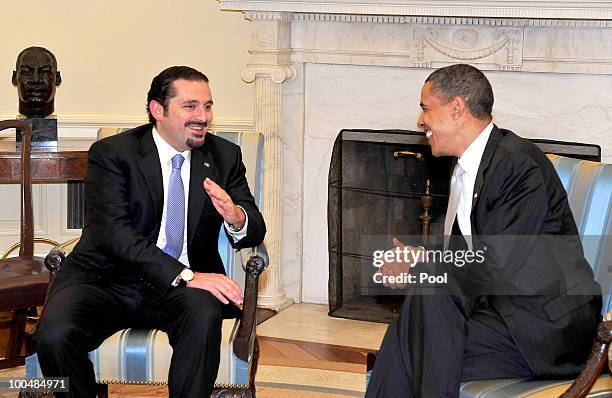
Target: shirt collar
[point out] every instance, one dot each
(165, 151)
(470, 160)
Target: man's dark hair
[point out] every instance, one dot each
(42, 49)
(466, 82)
(162, 89)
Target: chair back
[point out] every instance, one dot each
(27, 217)
(251, 145)
(104, 132)
(589, 192)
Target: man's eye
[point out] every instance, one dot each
(190, 106)
(208, 107)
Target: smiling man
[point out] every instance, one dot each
(36, 77)
(156, 197)
(528, 310)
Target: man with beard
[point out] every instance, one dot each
(156, 197)
(36, 77)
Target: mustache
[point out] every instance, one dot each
(196, 123)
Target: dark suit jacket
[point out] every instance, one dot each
(535, 274)
(124, 202)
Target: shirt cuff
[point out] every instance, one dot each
(176, 281)
(237, 235)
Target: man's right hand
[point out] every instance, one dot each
(396, 269)
(223, 288)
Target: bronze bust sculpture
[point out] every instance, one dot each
(36, 77)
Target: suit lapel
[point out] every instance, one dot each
(151, 170)
(202, 166)
(485, 163)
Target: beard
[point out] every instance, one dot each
(193, 144)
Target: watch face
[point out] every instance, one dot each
(187, 275)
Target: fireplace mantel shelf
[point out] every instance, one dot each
(543, 9)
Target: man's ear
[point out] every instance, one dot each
(58, 78)
(458, 107)
(14, 79)
(157, 110)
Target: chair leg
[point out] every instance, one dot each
(17, 333)
(16, 338)
(102, 390)
(253, 368)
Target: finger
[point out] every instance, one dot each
(392, 273)
(210, 283)
(223, 202)
(213, 189)
(210, 187)
(231, 289)
(385, 271)
(210, 183)
(218, 294)
(225, 207)
(398, 243)
(219, 209)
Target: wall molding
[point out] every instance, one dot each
(446, 20)
(542, 9)
(85, 126)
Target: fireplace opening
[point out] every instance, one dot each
(377, 184)
(384, 184)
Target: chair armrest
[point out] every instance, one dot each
(53, 260)
(245, 337)
(597, 360)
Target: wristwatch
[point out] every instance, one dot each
(233, 228)
(185, 276)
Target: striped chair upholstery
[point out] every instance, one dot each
(589, 189)
(141, 356)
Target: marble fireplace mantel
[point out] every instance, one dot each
(321, 66)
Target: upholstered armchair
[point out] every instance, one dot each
(139, 356)
(589, 189)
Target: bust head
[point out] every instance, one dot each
(36, 77)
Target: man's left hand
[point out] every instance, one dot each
(396, 269)
(224, 204)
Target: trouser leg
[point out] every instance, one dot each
(75, 320)
(421, 353)
(192, 318)
(434, 346)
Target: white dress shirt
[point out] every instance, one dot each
(469, 162)
(166, 152)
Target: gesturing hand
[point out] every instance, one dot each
(222, 287)
(394, 269)
(224, 205)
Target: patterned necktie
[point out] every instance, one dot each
(175, 210)
(453, 202)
